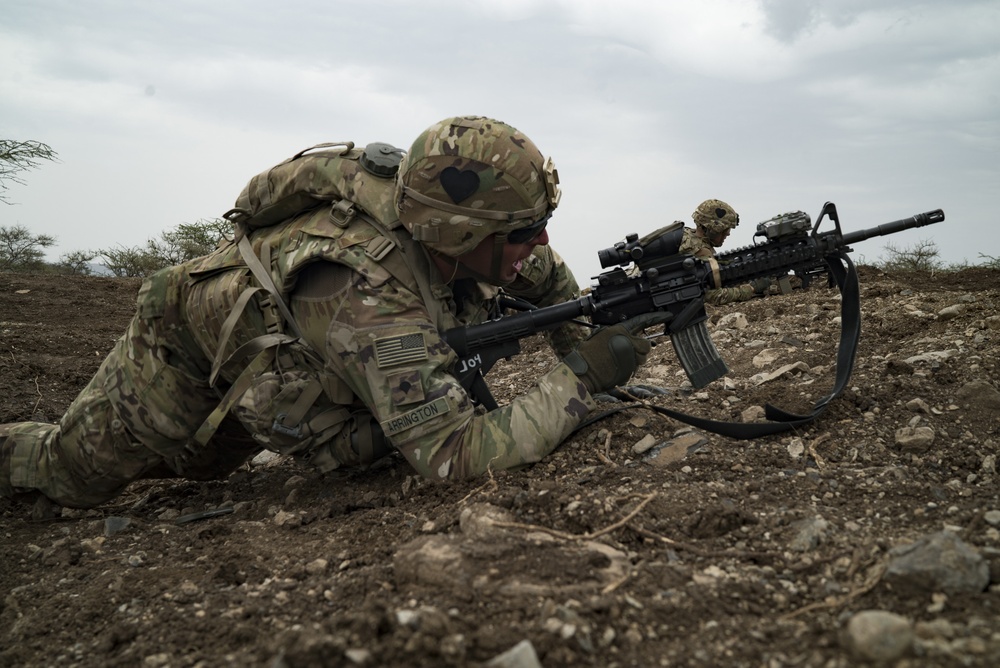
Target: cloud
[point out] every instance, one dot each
(647, 108)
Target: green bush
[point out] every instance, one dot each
(922, 256)
(186, 242)
(20, 250)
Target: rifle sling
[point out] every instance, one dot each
(846, 276)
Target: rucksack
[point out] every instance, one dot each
(331, 172)
(316, 175)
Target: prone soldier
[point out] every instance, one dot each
(714, 220)
(319, 335)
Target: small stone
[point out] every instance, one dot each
(951, 312)
(809, 534)
(265, 457)
(521, 655)
(796, 448)
(877, 635)
(286, 519)
(940, 562)
(915, 439)
(676, 448)
(979, 394)
(187, 592)
(767, 357)
(317, 566)
(358, 656)
(114, 524)
(733, 321)
(168, 514)
(644, 444)
(935, 628)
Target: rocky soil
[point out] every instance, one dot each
(873, 534)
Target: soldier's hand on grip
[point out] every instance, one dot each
(611, 355)
(761, 285)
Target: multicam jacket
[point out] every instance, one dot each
(371, 308)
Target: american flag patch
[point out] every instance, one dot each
(400, 350)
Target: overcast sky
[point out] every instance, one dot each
(161, 111)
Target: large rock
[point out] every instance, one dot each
(940, 562)
(979, 394)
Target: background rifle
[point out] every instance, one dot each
(648, 274)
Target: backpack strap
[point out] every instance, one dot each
(263, 276)
(227, 330)
(264, 348)
(410, 265)
(260, 363)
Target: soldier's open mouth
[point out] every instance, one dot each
(517, 265)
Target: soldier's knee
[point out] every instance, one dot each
(79, 467)
(34, 466)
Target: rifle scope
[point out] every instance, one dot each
(664, 242)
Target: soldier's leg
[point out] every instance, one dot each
(86, 459)
(231, 446)
(161, 392)
(140, 409)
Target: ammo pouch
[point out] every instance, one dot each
(282, 412)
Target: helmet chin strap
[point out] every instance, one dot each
(493, 277)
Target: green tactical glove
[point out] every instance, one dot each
(760, 285)
(610, 356)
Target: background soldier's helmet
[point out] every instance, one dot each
(714, 216)
(468, 177)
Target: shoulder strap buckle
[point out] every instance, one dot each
(379, 247)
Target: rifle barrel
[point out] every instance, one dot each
(919, 220)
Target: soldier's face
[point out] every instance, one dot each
(481, 257)
(515, 254)
(718, 239)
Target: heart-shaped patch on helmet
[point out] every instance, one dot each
(459, 184)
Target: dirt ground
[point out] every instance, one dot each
(715, 553)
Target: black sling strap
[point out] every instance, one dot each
(846, 276)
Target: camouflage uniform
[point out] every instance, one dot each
(693, 244)
(192, 390)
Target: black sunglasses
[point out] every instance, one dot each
(523, 235)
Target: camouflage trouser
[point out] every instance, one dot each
(134, 419)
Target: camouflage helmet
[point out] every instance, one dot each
(714, 216)
(468, 177)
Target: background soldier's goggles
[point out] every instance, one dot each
(523, 235)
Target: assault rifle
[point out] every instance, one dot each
(648, 274)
